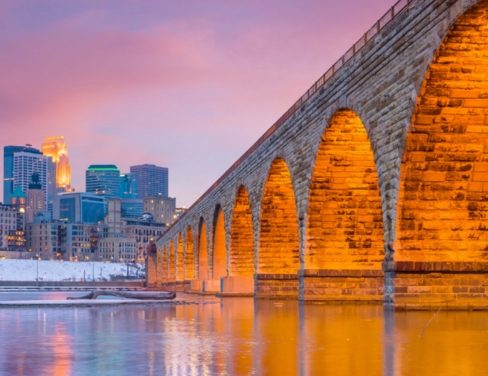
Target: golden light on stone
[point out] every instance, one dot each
(279, 224)
(345, 225)
(180, 274)
(242, 237)
(189, 256)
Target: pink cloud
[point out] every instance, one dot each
(186, 85)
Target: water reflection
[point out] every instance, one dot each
(241, 337)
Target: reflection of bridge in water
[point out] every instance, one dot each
(372, 187)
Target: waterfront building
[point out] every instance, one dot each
(103, 180)
(35, 199)
(151, 180)
(161, 208)
(118, 249)
(56, 148)
(144, 231)
(79, 207)
(8, 169)
(58, 240)
(8, 224)
(44, 240)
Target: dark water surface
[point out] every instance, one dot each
(239, 337)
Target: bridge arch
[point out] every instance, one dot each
(241, 254)
(442, 215)
(219, 254)
(189, 256)
(344, 217)
(278, 251)
(171, 262)
(180, 272)
(202, 250)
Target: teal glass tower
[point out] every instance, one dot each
(103, 180)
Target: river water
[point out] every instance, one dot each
(238, 336)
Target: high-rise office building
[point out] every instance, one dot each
(25, 165)
(128, 186)
(103, 180)
(55, 147)
(8, 168)
(151, 180)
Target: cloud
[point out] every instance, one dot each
(189, 85)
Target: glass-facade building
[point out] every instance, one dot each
(103, 180)
(132, 208)
(79, 207)
(151, 180)
(128, 186)
(8, 169)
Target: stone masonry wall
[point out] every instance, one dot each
(384, 85)
(241, 255)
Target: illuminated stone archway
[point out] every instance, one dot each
(344, 222)
(219, 255)
(278, 253)
(444, 174)
(442, 222)
(171, 263)
(189, 256)
(241, 257)
(180, 272)
(202, 251)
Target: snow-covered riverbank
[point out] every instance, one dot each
(30, 270)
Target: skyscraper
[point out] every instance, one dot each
(103, 180)
(128, 186)
(151, 180)
(55, 147)
(8, 168)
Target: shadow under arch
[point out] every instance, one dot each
(202, 251)
(441, 223)
(278, 253)
(219, 254)
(241, 255)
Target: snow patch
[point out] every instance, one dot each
(30, 270)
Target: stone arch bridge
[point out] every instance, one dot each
(372, 187)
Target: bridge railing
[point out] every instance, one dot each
(320, 83)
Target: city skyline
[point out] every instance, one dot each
(190, 102)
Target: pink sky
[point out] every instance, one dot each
(189, 85)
